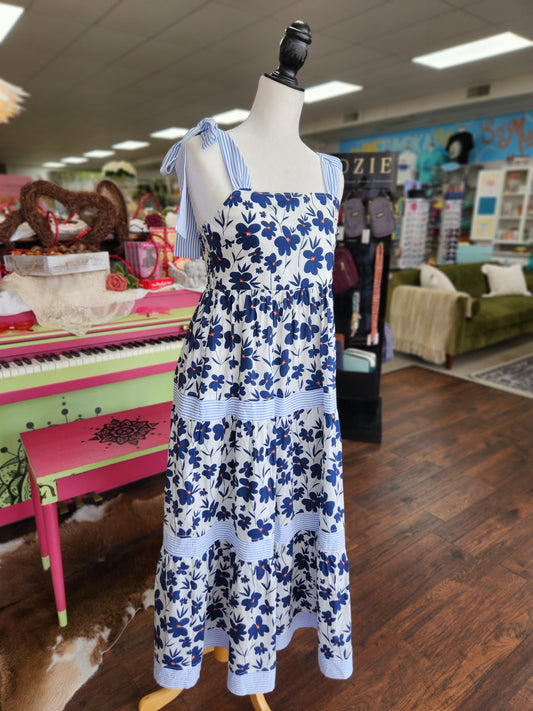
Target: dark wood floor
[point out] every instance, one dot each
(440, 536)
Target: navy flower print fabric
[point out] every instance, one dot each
(254, 521)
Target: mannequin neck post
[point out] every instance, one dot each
(276, 110)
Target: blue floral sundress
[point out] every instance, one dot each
(254, 522)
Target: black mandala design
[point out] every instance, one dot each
(124, 431)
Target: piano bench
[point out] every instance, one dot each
(96, 454)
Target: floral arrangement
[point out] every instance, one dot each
(119, 169)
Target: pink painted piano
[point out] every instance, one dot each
(49, 377)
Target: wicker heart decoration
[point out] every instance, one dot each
(97, 210)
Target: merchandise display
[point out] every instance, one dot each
(214, 235)
(407, 162)
(426, 164)
(459, 146)
(503, 212)
(95, 209)
(450, 231)
(254, 494)
(369, 224)
(413, 236)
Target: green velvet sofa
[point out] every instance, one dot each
(493, 320)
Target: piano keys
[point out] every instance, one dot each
(48, 376)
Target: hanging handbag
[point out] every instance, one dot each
(345, 274)
(381, 217)
(354, 217)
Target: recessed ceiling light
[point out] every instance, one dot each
(329, 90)
(130, 145)
(231, 116)
(97, 153)
(9, 14)
(53, 164)
(170, 133)
(474, 51)
(74, 159)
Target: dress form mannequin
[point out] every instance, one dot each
(277, 160)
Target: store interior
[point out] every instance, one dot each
(433, 309)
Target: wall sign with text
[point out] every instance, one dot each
(495, 138)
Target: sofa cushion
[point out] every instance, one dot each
(505, 280)
(501, 311)
(433, 278)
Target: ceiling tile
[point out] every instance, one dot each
(135, 17)
(148, 57)
(209, 25)
(320, 14)
(56, 9)
(99, 43)
(460, 3)
(501, 12)
(58, 72)
(379, 21)
(260, 7)
(353, 60)
(36, 30)
(263, 36)
(436, 33)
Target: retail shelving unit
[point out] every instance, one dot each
(413, 236)
(358, 394)
(504, 212)
(450, 230)
(514, 226)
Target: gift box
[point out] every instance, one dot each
(56, 264)
(143, 255)
(154, 284)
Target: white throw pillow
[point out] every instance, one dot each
(433, 278)
(505, 281)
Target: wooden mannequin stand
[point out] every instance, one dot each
(160, 698)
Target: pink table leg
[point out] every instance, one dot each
(39, 520)
(56, 562)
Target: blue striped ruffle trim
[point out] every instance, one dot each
(254, 682)
(331, 170)
(254, 550)
(195, 409)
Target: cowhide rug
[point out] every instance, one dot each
(109, 557)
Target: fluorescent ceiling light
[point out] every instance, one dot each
(97, 153)
(474, 51)
(74, 159)
(53, 164)
(130, 145)
(170, 133)
(9, 14)
(231, 116)
(330, 89)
